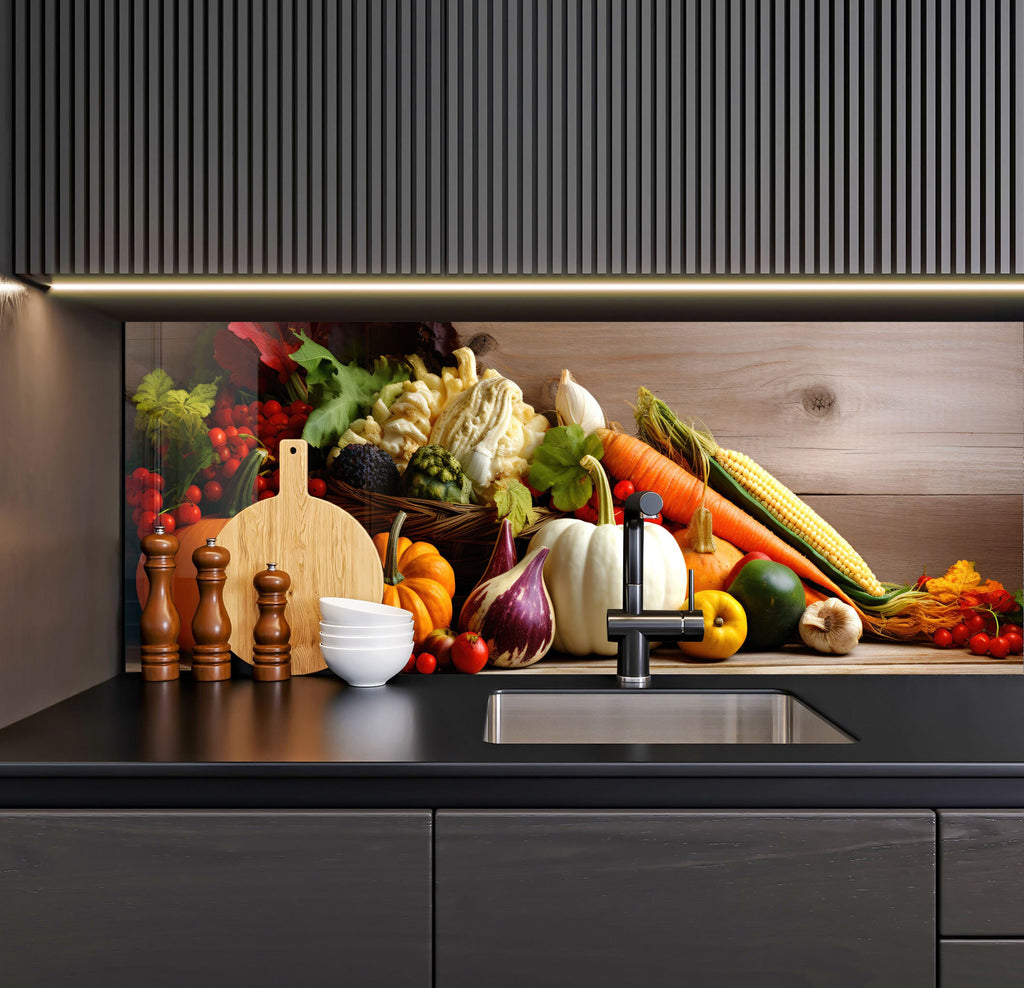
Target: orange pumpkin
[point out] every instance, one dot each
(710, 558)
(417, 578)
(185, 590)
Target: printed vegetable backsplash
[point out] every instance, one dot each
(451, 444)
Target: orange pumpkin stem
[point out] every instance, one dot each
(391, 575)
(700, 534)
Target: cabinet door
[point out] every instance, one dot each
(214, 898)
(697, 898)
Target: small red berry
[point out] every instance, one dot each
(425, 663)
(979, 643)
(943, 638)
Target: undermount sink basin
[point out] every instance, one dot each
(655, 717)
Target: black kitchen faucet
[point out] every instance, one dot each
(633, 627)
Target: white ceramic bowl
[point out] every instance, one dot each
(383, 639)
(345, 610)
(331, 628)
(362, 666)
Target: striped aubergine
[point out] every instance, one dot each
(513, 613)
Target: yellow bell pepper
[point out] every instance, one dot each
(725, 626)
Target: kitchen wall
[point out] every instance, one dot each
(60, 502)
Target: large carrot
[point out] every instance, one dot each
(629, 458)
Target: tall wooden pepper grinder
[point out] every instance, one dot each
(211, 626)
(271, 650)
(160, 623)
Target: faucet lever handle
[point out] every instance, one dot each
(689, 589)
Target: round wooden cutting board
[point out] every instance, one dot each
(325, 551)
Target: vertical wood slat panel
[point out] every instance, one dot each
(548, 136)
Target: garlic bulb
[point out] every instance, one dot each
(575, 404)
(830, 626)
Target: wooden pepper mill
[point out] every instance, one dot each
(211, 626)
(271, 651)
(160, 623)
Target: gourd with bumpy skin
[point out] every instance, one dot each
(434, 474)
(583, 572)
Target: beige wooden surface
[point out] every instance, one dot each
(869, 657)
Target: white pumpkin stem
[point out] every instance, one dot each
(605, 509)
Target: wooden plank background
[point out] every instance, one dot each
(907, 437)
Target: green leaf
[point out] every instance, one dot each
(556, 466)
(339, 393)
(515, 503)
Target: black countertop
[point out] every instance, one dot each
(921, 741)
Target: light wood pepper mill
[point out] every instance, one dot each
(271, 650)
(160, 623)
(211, 626)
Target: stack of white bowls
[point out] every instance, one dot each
(362, 642)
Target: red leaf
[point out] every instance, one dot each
(274, 348)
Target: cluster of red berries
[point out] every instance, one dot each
(143, 493)
(982, 635)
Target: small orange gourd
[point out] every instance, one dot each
(710, 559)
(417, 578)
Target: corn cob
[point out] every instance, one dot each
(785, 506)
(761, 495)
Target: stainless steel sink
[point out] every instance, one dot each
(655, 717)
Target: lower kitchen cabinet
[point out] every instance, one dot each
(604, 898)
(981, 963)
(213, 898)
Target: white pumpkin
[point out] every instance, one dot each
(583, 574)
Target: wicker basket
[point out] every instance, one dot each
(463, 533)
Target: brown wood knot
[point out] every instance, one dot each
(482, 343)
(819, 401)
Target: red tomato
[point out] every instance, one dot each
(279, 420)
(317, 487)
(410, 666)
(167, 521)
(960, 633)
(188, 514)
(231, 466)
(271, 408)
(223, 453)
(265, 494)
(222, 416)
(230, 432)
(133, 496)
(139, 475)
(217, 438)
(623, 489)
(155, 482)
(151, 500)
(469, 652)
(998, 647)
(261, 484)
(943, 638)
(213, 491)
(240, 414)
(145, 523)
(1010, 629)
(208, 473)
(975, 623)
(1015, 641)
(979, 643)
(425, 663)
(194, 494)
(136, 515)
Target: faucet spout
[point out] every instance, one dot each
(632, 627)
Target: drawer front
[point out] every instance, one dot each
(981, 963)
(981, 873)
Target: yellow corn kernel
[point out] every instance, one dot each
(798, 517)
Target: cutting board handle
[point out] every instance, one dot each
(293, 458)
